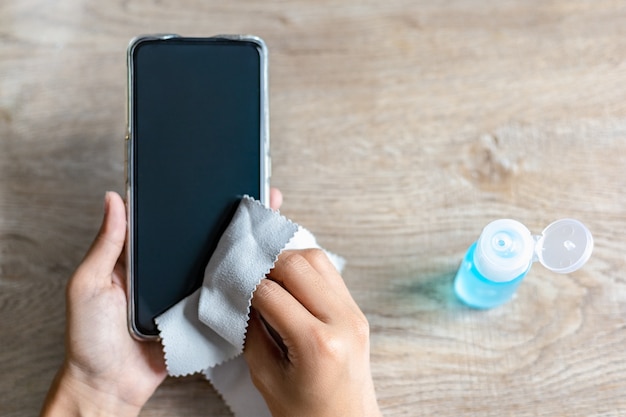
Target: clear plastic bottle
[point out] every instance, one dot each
(498, 261)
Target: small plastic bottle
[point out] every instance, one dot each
(498, 261)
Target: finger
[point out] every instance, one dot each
(260, 351)
(119, 274)
(107, 247)
(286, 315)
(320, 261)
(322, 264)
(276, 198)
(295, 271)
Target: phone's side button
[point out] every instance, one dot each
(126, 159)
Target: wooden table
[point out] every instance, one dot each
(399, 129)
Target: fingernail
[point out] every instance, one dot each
(107, 199)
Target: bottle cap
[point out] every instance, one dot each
(504, 250)
(564, 246)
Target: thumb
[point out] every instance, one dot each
(108, 244)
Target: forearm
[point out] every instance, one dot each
(71, 397)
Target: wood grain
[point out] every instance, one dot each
(399, 129)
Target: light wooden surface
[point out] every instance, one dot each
(399, 129)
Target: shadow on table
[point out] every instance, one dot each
(429, 292)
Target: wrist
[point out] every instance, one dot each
(72, 395)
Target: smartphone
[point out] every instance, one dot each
(197, 142)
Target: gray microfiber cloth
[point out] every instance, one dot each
(205, 332)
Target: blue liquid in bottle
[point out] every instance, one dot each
(477, 291)
(495, 264)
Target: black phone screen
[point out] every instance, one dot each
(197, 148)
